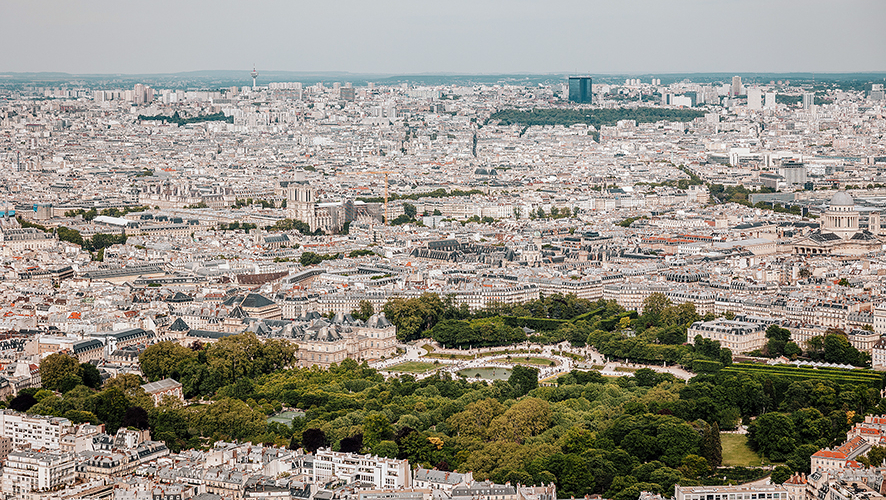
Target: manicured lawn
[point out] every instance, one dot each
(506, 351)
(486, 373)
(585, 366)
(286, 417)
(440, 355)
(574, 357)
(530, 360)
(428, 348)
(503, 352)
(736, 452)
(413, 367)
(625, 369)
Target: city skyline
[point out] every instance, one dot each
(391, 250)
(394, 37)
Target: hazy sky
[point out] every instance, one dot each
(445, 36)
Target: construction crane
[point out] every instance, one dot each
(386, 172)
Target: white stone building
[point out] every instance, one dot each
(33, 431)
(27, 472)
(379, 472)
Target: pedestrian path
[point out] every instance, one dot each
(488, 357)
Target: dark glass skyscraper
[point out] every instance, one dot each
(580, 89)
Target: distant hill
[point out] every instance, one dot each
(222, 78)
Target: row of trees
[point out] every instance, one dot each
(92, 213)
(179, 120)
(293, 224)
(593, 117)
(481, 332)
(311, 258)
(437, 193)
(555, 213)
(735, 194)
(240, 202)
(236, 226)
(206, 369)
(416, 316)
(832, 347)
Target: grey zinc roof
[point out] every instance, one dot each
(179, 325)
(161, 385)
(208, 334)
(256, 300)
(87, 345)
(438, 476)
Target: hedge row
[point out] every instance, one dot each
(839, 376)
(537, 324)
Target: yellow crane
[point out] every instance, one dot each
(386, 173)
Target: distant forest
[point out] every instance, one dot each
(595, 117)
(178, 120)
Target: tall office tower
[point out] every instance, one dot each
(580, 90)
(770, 100)
(755, 99)
(736, 86)
(138, 94)
(808, 100)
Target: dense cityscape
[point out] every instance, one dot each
(584, 286)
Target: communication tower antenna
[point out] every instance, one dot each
(254, 76)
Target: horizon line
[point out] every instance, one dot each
(448, 73)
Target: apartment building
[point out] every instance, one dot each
(400, 494)
(842, 456)
(752, 491)
(880, 319)
(590, 289)
(845, 484)
(15, 241)
(26, 472)
(441, 480)
(878, 355)
(872, 430)
(377, 472)
(30, 431)
(484, 490)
